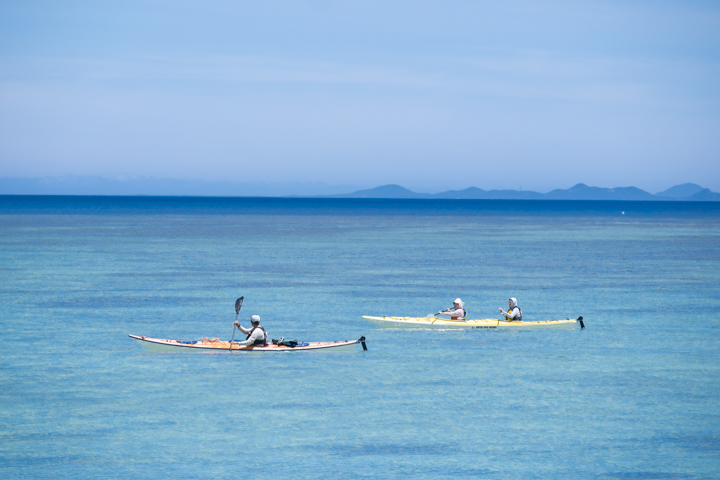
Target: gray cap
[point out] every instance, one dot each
(255, 319)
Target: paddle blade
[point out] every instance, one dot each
(238, 304)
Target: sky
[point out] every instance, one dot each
(431, 95)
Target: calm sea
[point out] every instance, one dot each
(636, 395)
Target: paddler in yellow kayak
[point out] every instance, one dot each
(514, 314)
(455, 313)
(256, 335)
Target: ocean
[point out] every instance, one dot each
(635, 395)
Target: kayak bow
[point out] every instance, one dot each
(165, 345)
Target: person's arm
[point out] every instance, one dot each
(243, 330)
(257, 334)
(505, 314)
(453, 313)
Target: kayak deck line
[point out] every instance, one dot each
(486, 323)
(165, 345)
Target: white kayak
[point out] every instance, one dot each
(165, 345)
(445, 323)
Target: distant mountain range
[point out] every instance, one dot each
(95, 185)
(684, 192)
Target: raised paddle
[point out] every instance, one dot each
(238, 304)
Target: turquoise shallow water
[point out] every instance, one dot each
(634, 395)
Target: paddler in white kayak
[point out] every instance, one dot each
(455, 313)
(256, 335)
(514, 314)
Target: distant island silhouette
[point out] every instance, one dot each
(149, 186)
(684, 192)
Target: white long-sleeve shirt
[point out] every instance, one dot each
(458, 313)
(512, 314)
(258, 334)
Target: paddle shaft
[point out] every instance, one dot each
(233, 335)
(238, 306)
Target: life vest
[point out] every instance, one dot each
(262, 342)
(518, 317)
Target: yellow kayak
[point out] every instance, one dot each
(445, 323)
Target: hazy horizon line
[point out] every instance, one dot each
(321, 185)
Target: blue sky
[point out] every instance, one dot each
(430, 95)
